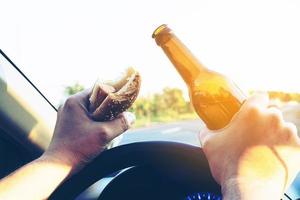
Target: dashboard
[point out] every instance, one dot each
(212, 196)
(203, 196)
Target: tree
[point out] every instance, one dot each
(168, 105)
(174, 100)
(73, 89)
(158, 105)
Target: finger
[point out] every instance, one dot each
(117, 126)
(259, 100)
(292, 127)
(252, 106)
(83, 97)
(203, 135)
(78, 100)
(129, 117)
(275, 116)
(292, 132)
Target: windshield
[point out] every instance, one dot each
(66, 46)
(100, 39)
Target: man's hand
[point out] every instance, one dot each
(77, 138)
(256, 156)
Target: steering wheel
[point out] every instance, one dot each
(155, 170)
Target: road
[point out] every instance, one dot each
(184, 131)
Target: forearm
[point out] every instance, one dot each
(250, 189)
(34, 181)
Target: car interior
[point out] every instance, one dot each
(139, 170)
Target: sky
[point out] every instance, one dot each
(56, 43)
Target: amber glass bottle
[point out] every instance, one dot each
(214, 97)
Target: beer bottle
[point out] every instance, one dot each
(215, 98)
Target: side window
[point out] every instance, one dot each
(24, 107)
(2, 79)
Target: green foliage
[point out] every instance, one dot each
(73, 89)
(283, 96)
(169, 105)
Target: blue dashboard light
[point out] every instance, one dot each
(203, 196)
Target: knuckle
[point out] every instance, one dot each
(70, 102)
(253, 112)
(123, 123)
(104, 129)
(290, 131)
(274, 120)
(104, 135)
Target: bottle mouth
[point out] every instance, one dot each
(159, 29)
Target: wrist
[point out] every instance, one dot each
(60, 158)
(250, 188)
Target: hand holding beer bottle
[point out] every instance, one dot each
(214, 97)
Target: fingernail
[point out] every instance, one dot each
(130, 118)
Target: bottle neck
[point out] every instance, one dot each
(184, 61)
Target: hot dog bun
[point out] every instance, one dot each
(109, 99)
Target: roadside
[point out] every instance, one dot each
(291, 113)
(155, 120)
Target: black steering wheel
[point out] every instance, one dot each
(155, 170)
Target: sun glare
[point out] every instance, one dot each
(254, 43)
